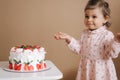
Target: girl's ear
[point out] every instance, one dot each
(107, 18)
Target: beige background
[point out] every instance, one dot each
(36, 21)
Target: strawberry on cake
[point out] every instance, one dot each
(27, 58)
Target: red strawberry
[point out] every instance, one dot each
(36, 46)
(38, 66)
(10, 66)
(31, 68)
(29, 48)
(44, 65)
(28, 67)
(17, 66)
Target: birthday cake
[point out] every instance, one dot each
(27, 58)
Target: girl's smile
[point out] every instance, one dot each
(94, 18)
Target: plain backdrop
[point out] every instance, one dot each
(36, 21)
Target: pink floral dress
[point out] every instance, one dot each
(96, 49)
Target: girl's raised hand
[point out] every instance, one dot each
(117, 38)
(63, 36)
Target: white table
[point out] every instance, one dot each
(51, 74)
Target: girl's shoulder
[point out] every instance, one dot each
(108, 34)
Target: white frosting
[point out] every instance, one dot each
(27, 56)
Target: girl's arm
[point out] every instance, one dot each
(117, 38)
(72, 43)
(63, 36)
(75, 46)
(115, 49)
(113, 45)
(116, 46)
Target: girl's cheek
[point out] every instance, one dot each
(86, 23)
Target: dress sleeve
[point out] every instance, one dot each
(115, 49)
(74, 45)
(112, 47)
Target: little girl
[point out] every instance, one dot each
(97, 45)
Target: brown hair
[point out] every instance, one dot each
(92, 4)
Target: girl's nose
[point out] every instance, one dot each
(89, 19)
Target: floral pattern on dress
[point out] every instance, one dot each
(96, 49)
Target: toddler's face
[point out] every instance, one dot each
(94, 18)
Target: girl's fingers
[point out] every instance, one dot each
(56, 36)
(60, 35)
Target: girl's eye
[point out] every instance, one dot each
(87, 17)
(94, 16)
